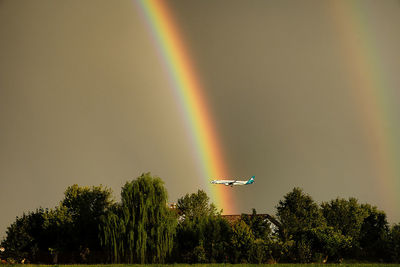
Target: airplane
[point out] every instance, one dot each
(234, 182)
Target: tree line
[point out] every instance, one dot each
(89, 226)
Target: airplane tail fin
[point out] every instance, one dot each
(251, 180)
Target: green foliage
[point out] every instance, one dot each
(196, 205)
(258, 251)
(394, 243)
(85, 202)
(58, 226)
(189, 235)
(364, 225)
(62, 233)
(279, 249)
(329, 242)
(374, 234)
(199, 254)
(25, 237)
(201, 228)
(219, 265)
(85, 205)
(297, 213)
(270, 250)
(260, 226)
(346, 217)
(242, 241)
(18, 239)
(217, 238)
(112, 234)
(304, 253)
(88, 226)
(142, 228)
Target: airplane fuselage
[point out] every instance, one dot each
(233, 182)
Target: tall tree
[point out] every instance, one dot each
(142, 228)
(242, 242)
(189, 235)
(374, 234)
(112, 234)
(346, 216)
(58, 228)
(201, 231)
(217, 239)
(196, 205)
(364, 224)
(260, 226)
(298, 212)
(86, 205)
(25, 237)
(395, 243)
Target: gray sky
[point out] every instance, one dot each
(84, 99)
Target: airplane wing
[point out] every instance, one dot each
(230, 183)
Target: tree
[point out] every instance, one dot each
(142, 228)
(329, 242)
(196, 205)
(112, 234)
(259, 225)
(58, 227)
(278, 249)
(189, 235)
(259, 251)
(374, 234)
(201, 229)
(395, 243)
(86, 205)
(363, 224)
(346, 217)
(242, 242)
(24, 237)
(217, 238)
(298, 214)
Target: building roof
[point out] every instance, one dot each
(232, 218)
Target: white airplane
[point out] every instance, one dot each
(234, 182)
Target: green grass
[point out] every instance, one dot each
(218, 265)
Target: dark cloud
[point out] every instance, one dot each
(84, 99)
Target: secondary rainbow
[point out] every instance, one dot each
(189, 93)
(374, 92)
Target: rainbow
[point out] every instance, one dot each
(373, 91)
(189, 93)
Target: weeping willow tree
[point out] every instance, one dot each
(141, 228)
(112, 232)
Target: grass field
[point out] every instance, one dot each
(220, 265)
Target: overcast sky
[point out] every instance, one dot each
(84, 99)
